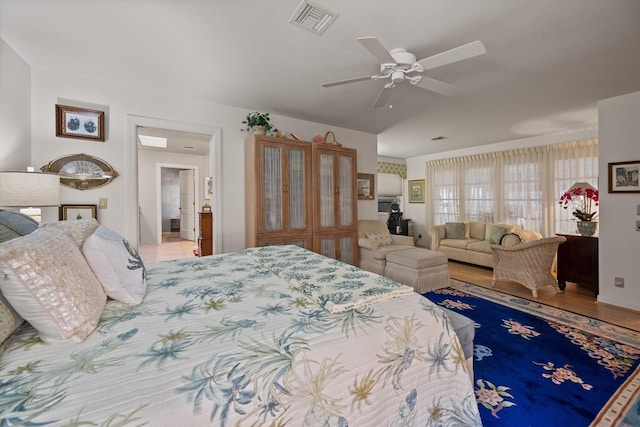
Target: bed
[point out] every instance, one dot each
(271, 336)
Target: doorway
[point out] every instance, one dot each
(177, 201)
(148, 191)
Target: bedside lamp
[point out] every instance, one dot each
(29, 189)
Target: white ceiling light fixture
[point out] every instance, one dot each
(312, 18)
(153, 141)
(398, 65)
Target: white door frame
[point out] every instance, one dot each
(132, 225)
(196, 175)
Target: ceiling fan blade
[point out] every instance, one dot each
(456, 54)
(375, 47)
(342, 82)
(437, 86)
(383, 97)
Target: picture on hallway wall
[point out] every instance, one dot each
(623, 177)
(416, 191)
(80, 123)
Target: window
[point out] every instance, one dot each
(520, 187)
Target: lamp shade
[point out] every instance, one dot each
(29, 189)
(582, 186)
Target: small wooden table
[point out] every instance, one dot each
(578, 261)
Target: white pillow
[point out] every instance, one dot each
(49, 283)
(117, 265)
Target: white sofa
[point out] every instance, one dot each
(473, 244)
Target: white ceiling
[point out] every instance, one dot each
(548, 62)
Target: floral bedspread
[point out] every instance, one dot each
(228, 340)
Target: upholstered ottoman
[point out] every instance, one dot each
(421, 268)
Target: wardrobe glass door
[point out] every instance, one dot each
(272, 188)
(327, 190)
(296, 191)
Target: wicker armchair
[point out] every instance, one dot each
(528, 263)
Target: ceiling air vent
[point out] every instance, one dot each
(312, 17)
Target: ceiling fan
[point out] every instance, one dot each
(398, 65)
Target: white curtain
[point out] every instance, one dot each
(520, 186)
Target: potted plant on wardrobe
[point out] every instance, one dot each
(259, 123)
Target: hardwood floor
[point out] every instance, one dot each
(574, 298)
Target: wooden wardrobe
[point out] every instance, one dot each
(301, 193)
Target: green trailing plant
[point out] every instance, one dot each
(259, 119)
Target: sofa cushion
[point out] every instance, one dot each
(497, 234)
(480, 246)
(457, 243)
(382, 251)
(454, 230)
(477, 230)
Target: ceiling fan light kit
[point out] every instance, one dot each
(399, 65)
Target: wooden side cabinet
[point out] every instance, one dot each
(205, 238)
(578, 261)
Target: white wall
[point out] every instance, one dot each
(48, 88)
(416, 169)
(15, 110)
(619, 130)
(148, 178)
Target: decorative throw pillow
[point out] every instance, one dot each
(9, 319)
(77, 229)
(497, 234)
(382, 239)
(454, 230)
(49, 283)
(117, 265)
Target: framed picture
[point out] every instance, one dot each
(416, 191)
(71, 212)
(366, 189)
(623, 177)
(73, 122)
(208, 187)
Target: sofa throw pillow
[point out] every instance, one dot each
(117, 265)
(381, 239)
(48, 283)
(454, 230)
(497, 234)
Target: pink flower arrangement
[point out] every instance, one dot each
(584, 197)
(318, 139)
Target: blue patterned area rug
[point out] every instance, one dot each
(537, 365)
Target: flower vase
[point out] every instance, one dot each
(587, 228)
(259, 130)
